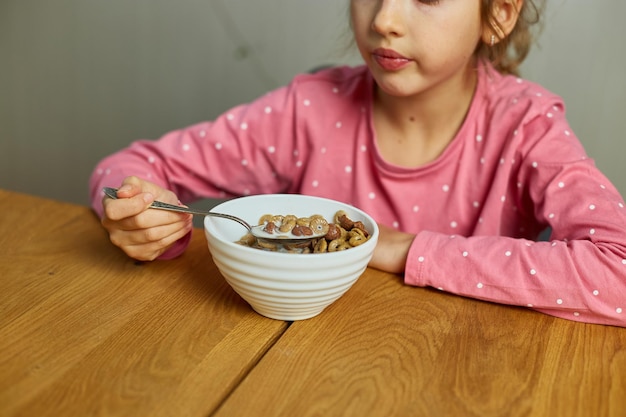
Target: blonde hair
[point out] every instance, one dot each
(509, 52)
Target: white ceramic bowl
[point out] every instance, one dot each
(286, 286)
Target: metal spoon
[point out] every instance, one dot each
(256, 231)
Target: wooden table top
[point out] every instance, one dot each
(86, 331)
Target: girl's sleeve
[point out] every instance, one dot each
(236, 154)
(579, 274)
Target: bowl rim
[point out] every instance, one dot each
(372, 241)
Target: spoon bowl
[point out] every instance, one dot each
(256, 231)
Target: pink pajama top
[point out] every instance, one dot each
(514, 168)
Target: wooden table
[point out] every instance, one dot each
(86, 331)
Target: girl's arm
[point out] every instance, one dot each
(579, 274)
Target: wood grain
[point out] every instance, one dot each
(386, 349)
(84, 330)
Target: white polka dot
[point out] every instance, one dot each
(296, 153)
(271, 149)
(533, 272)
(515, 132)
(595, 292)
(244, 126)
(530, 305)
(440, 288)
(623, 261)
(151, 159)
(592, 231)
(620, 205)
(549, 115)
(551, 216)
(363, 148)
(501, 161)
(479, 138)
(482, 161)
(348, 169)
(535, 164)
(218, 146)
(268, 110)
(559, 301)
(396, 225)
(323, 150)
(576, 314)
(416, 209)
(453, 224)
(315, 183)
(592, 207)
(371, 196)
(202, 133)
(507, 253)
(335, 90)
(186, 147)
(603, 186)
(618, 310)
(107, 171)
(503, 198)
(476, 204)
(244, 162)
(230, 116)
(567, 133)
(446, 188)
(298, 164)
(479, 285)
(539, 94)
(420, 259)
(338, 125)
(465, 254)
(561, 184)
(307, 102)
(519, 80)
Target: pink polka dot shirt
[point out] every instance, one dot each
(514, 168)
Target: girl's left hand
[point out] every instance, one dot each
(392, 250)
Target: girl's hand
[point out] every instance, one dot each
(141, 233)
(392, 249)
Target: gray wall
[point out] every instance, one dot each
(80, 79)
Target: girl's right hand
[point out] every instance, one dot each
(141, 233)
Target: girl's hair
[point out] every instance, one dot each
(509, 52)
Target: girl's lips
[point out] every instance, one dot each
(390, 60)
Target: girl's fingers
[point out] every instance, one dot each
(148, 244)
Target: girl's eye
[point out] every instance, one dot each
(430, 2)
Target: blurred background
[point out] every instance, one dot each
(80, 79)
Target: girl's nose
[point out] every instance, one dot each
(388, 20)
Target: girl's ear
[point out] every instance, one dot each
(502, 20)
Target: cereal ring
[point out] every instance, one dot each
(338, 245)
(321, 246)
(319, 225)
(289, 222)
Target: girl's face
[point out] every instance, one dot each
(413, 46)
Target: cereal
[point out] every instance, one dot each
(342, 234)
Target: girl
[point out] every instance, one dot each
(461, 162)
